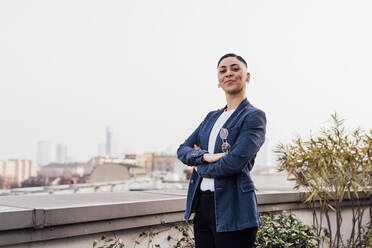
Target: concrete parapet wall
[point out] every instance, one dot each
(77, 220)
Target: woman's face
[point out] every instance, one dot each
(232, 75)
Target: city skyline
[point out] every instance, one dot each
(51, 152)
(54, 152)
(148, 70)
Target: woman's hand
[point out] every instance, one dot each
(210, 158)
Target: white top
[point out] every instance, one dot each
(208, 183)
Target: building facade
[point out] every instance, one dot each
(156, 162)
(15, 171)
(61, 153)
(115, 172)
(109, 143)
(46, 152)
(66, 170)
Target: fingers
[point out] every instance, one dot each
(197, 147)
(211, 158)
(217, 158)
(222, 154)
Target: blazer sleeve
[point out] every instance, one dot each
(186, 152)
(249, 141)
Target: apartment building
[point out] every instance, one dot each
(15, 171)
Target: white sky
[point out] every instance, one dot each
(148, 68)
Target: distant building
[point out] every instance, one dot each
(145, 160)
(110, 146)
(156, 162)
(115, 172)
(108, 160)
(130, 156)
(15, 171)
(46, 152)
(164, 162)
(61, 153)
(109, 142)
(66, 170)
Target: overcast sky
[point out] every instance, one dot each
(147, 68)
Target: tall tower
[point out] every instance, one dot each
(46, 152)
(61, 153)
(108, 141)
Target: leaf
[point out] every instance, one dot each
(109, 240)
(310, 198)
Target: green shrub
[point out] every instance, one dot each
(332, 166)
(281, 231)
(366, 238)
(284, 231)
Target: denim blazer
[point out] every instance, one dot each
(235, 199)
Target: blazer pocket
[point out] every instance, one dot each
(247, 187)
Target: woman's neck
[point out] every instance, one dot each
(233, 101)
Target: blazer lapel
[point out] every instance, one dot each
(210, 124)
(229, 123)
(234, 117)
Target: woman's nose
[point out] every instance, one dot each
(229, 73)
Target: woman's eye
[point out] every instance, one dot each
(236, 69)
(222, 71)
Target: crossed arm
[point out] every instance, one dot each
(245, 148)
(192, 155)
(208, 157)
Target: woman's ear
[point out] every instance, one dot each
(248, 77)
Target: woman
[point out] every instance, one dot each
(222, 151)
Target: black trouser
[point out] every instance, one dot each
(205, 232)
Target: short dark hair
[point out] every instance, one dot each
(232, 55)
